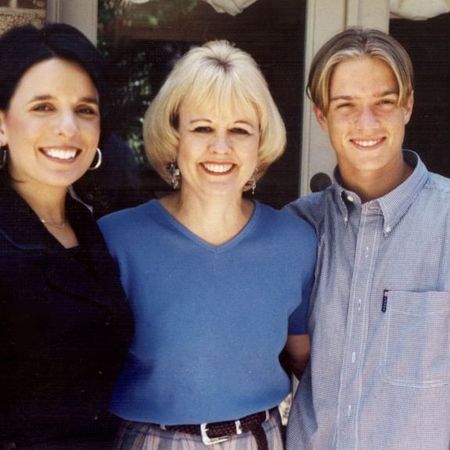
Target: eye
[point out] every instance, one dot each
(388, 102)
(43, 107)
(344, 105)
(240, 130)
(87, 110)
(202, 129)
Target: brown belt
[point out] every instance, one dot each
(216, 432)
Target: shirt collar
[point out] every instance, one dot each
(395, 203)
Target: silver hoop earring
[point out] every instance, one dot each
(98, 152)
(3, 156)
(175, 175)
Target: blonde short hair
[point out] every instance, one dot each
(220, 75)
(357, 43)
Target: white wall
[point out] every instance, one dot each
(79, 13)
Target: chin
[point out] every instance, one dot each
(61, 181)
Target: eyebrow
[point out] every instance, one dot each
(244, 122)
(49, 97)
(193, 121)
(200, 120)
(350, 97)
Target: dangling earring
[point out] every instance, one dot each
(99, 160)
(175, 175)
(3, 156)
(252, 182)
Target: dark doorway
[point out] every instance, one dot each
(428, 44)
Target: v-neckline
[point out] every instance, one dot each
(205, 244)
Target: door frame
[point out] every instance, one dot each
(82, 14)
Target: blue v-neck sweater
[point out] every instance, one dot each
(211, 320)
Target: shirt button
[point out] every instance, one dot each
(349, 410)
(350, 198)
(359, 304)
(388, 229)
(353, 357)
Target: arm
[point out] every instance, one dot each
(297, 351)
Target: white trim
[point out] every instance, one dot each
(324, 18)
(82, 14)
(368, 13)
(53, 10)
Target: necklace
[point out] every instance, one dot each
(58, 225)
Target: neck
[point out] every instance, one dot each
(370, 185)
(214, 219)
(47, 202)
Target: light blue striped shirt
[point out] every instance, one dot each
(379, 375)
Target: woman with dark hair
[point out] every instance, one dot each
(64, 324)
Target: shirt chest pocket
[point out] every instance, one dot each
(416, 347)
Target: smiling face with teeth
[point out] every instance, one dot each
(365, 121)
(218, 150)
(52, 125)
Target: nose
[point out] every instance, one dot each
(67, 124)
(221, 143)
(367, 118)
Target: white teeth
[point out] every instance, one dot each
(367, 143)
(218, 168)
(61, 154)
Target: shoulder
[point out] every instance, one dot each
(433, 203)
(310, 208)
(439, 184)
(287, 226)
(128, 218)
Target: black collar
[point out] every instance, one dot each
(21, 227)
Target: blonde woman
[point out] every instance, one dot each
(217, 282)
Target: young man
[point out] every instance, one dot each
(379, 374)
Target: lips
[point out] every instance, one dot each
(60, 154)
(368, 144)
(218, 168)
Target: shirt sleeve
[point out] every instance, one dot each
(298, 320)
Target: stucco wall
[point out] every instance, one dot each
(18, 12)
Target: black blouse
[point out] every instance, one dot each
(64, 327)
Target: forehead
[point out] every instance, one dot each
(213, 109)
(55, 76)
(362, 75)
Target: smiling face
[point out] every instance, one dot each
(365, 121)
(218, 151)
(52, 125)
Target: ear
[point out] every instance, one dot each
(408, 108)
(321, 118)
(3, 136)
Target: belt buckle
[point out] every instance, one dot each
(211, 441)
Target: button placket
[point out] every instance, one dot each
(357, 321)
